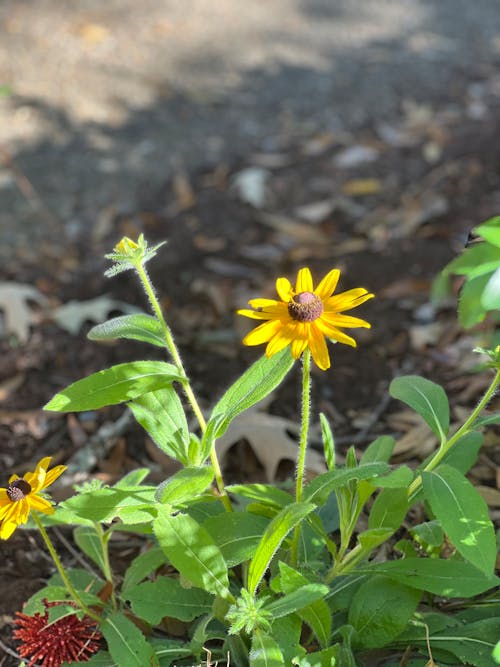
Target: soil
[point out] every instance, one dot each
(423, 169)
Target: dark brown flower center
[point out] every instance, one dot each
(18, 490)
(305, 307)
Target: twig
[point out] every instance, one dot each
(99, 444)
(9, 651)
(77, 556)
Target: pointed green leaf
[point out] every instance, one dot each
(380, 611)
(184, 485)
(89, 541)
(114, 385)
(476, 261)
(265, 494)
(138, 326)
(426, 398)
(317, 615)
(142, 566)
(490, 231)
(254, 385)
(152, 600)
(162, 416)
(470, 308)
(298, 599)
(192, 551)
(126, 643)
(265, 652)
(490, 298)
(379, 451)
(463, 514)
(274, 535)
(448, 578)
(389, 509)
(328, 442)
(236, 534)
(318, 490)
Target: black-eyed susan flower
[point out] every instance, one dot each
(23, 495)
(52, 643)
(305, 316)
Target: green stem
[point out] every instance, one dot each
(304, 431)
(71, 589)
(465, 428)
(188, 391)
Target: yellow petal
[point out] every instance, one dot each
(262, 333)
(283, 338)
(304, 281)
(256, 314)
(318, 348)
(338, 320)
(328, 284)
(298, 346)
(347, 300)
(333, 333)
(40, 505)
(264, 303)
(6, 529)
(13, 478)
(53, 474)
(284, 289)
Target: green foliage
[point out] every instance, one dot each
(282, 577)
(480, 265)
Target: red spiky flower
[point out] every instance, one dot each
(69, 639)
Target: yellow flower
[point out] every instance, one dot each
(126, 246)
(22, 495)
(306, 316)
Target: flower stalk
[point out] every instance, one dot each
(186, 386)
(57, 562)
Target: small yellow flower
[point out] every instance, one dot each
(22, 495)
(126, 246)
(306, 316)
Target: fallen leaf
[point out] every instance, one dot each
(183, 191)
(8, 386)
(315, 212)
(268, 437)
(18, 316)
(354, 156)
(251, 185)
(361, 187)
(303, 232)
(73, 314)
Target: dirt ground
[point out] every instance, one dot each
(256, 139)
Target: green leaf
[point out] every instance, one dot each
(265, 652)
(379, 451)
(237, 534)
(254, 385)
(426, 398)
(287, 631)
(463, 455)
(490, 231)
(428, 533)
(161, 415)
(490, 298)
(475, 261)
(318, 490)
(328, 657)
(192, 551)
(400, 478)
(184, 485)
(449, 578)
(126, 643)
(134, 327)
(389, 509)
(380, 611)
(297, 599)
(114, 385)
(142, 566)
(90, 542)
(274, 535)
(328, 442)
(317, 615)
(470, 308)
(463, 515)
(152, 600)
(108, 503)
(266, 494)
(168, 651)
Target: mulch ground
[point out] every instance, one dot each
(389, 207)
